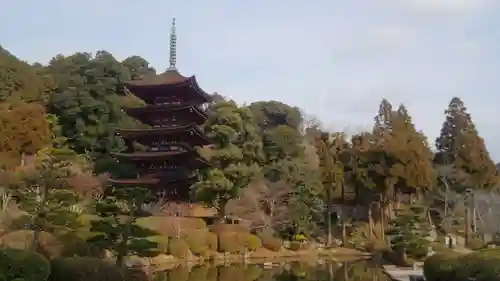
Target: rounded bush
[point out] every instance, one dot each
(440, 267)
(482, 266)
(295, 245)
(271, 243)
(231, 242)
(161, 241)
(25, 265)
(197, 242)
(212, 241)
(84, 269)
(179, 248)
(223, 227)
(252, 242)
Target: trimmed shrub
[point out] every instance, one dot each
(197, 241)
(271, 243)
(231, 242)
(179, 248)
(212, 241)
(24, 265)
(161, 241)
(85, 269)
(440, 267)
(252, 242)
(222, 228)
(482, 266)
(295, 245)
(171, 226)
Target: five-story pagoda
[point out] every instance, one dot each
(174, 113)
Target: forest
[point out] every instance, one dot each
(272, 165)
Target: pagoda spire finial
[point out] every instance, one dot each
(173, 46)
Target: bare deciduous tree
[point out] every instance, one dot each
(263, 203)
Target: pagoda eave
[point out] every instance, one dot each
(150, 155)
(136, 112)
(165, 83)
(142, 135)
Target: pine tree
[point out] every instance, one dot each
(117, 229)
(460, 146)
(234, 156)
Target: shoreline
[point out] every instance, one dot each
(166, 262)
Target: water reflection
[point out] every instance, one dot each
(363, 270)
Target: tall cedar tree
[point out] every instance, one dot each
(416, 171)
(460, 146)
(329, 150)
(234, 156)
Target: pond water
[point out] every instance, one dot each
(363, 270)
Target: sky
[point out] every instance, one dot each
(334, 59)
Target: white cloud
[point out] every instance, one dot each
(447, 6)
(389, 35)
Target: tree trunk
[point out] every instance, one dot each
(221, 211)
(370, 222)
(343, 216)
(43, 192)
(328, 218)
(467, 225)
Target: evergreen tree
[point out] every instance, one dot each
(415, 169)
(235, 155)
(460, 146)
(329, 150)
(45, 195)
(408, 232)
(87, 102)
(117, 229)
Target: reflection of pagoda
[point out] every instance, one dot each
(174, 113)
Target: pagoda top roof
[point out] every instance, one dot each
(169, 77)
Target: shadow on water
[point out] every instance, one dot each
(362, 270)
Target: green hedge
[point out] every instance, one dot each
(482, 266)
(24, 265)
(238, 242)
(179, 248)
